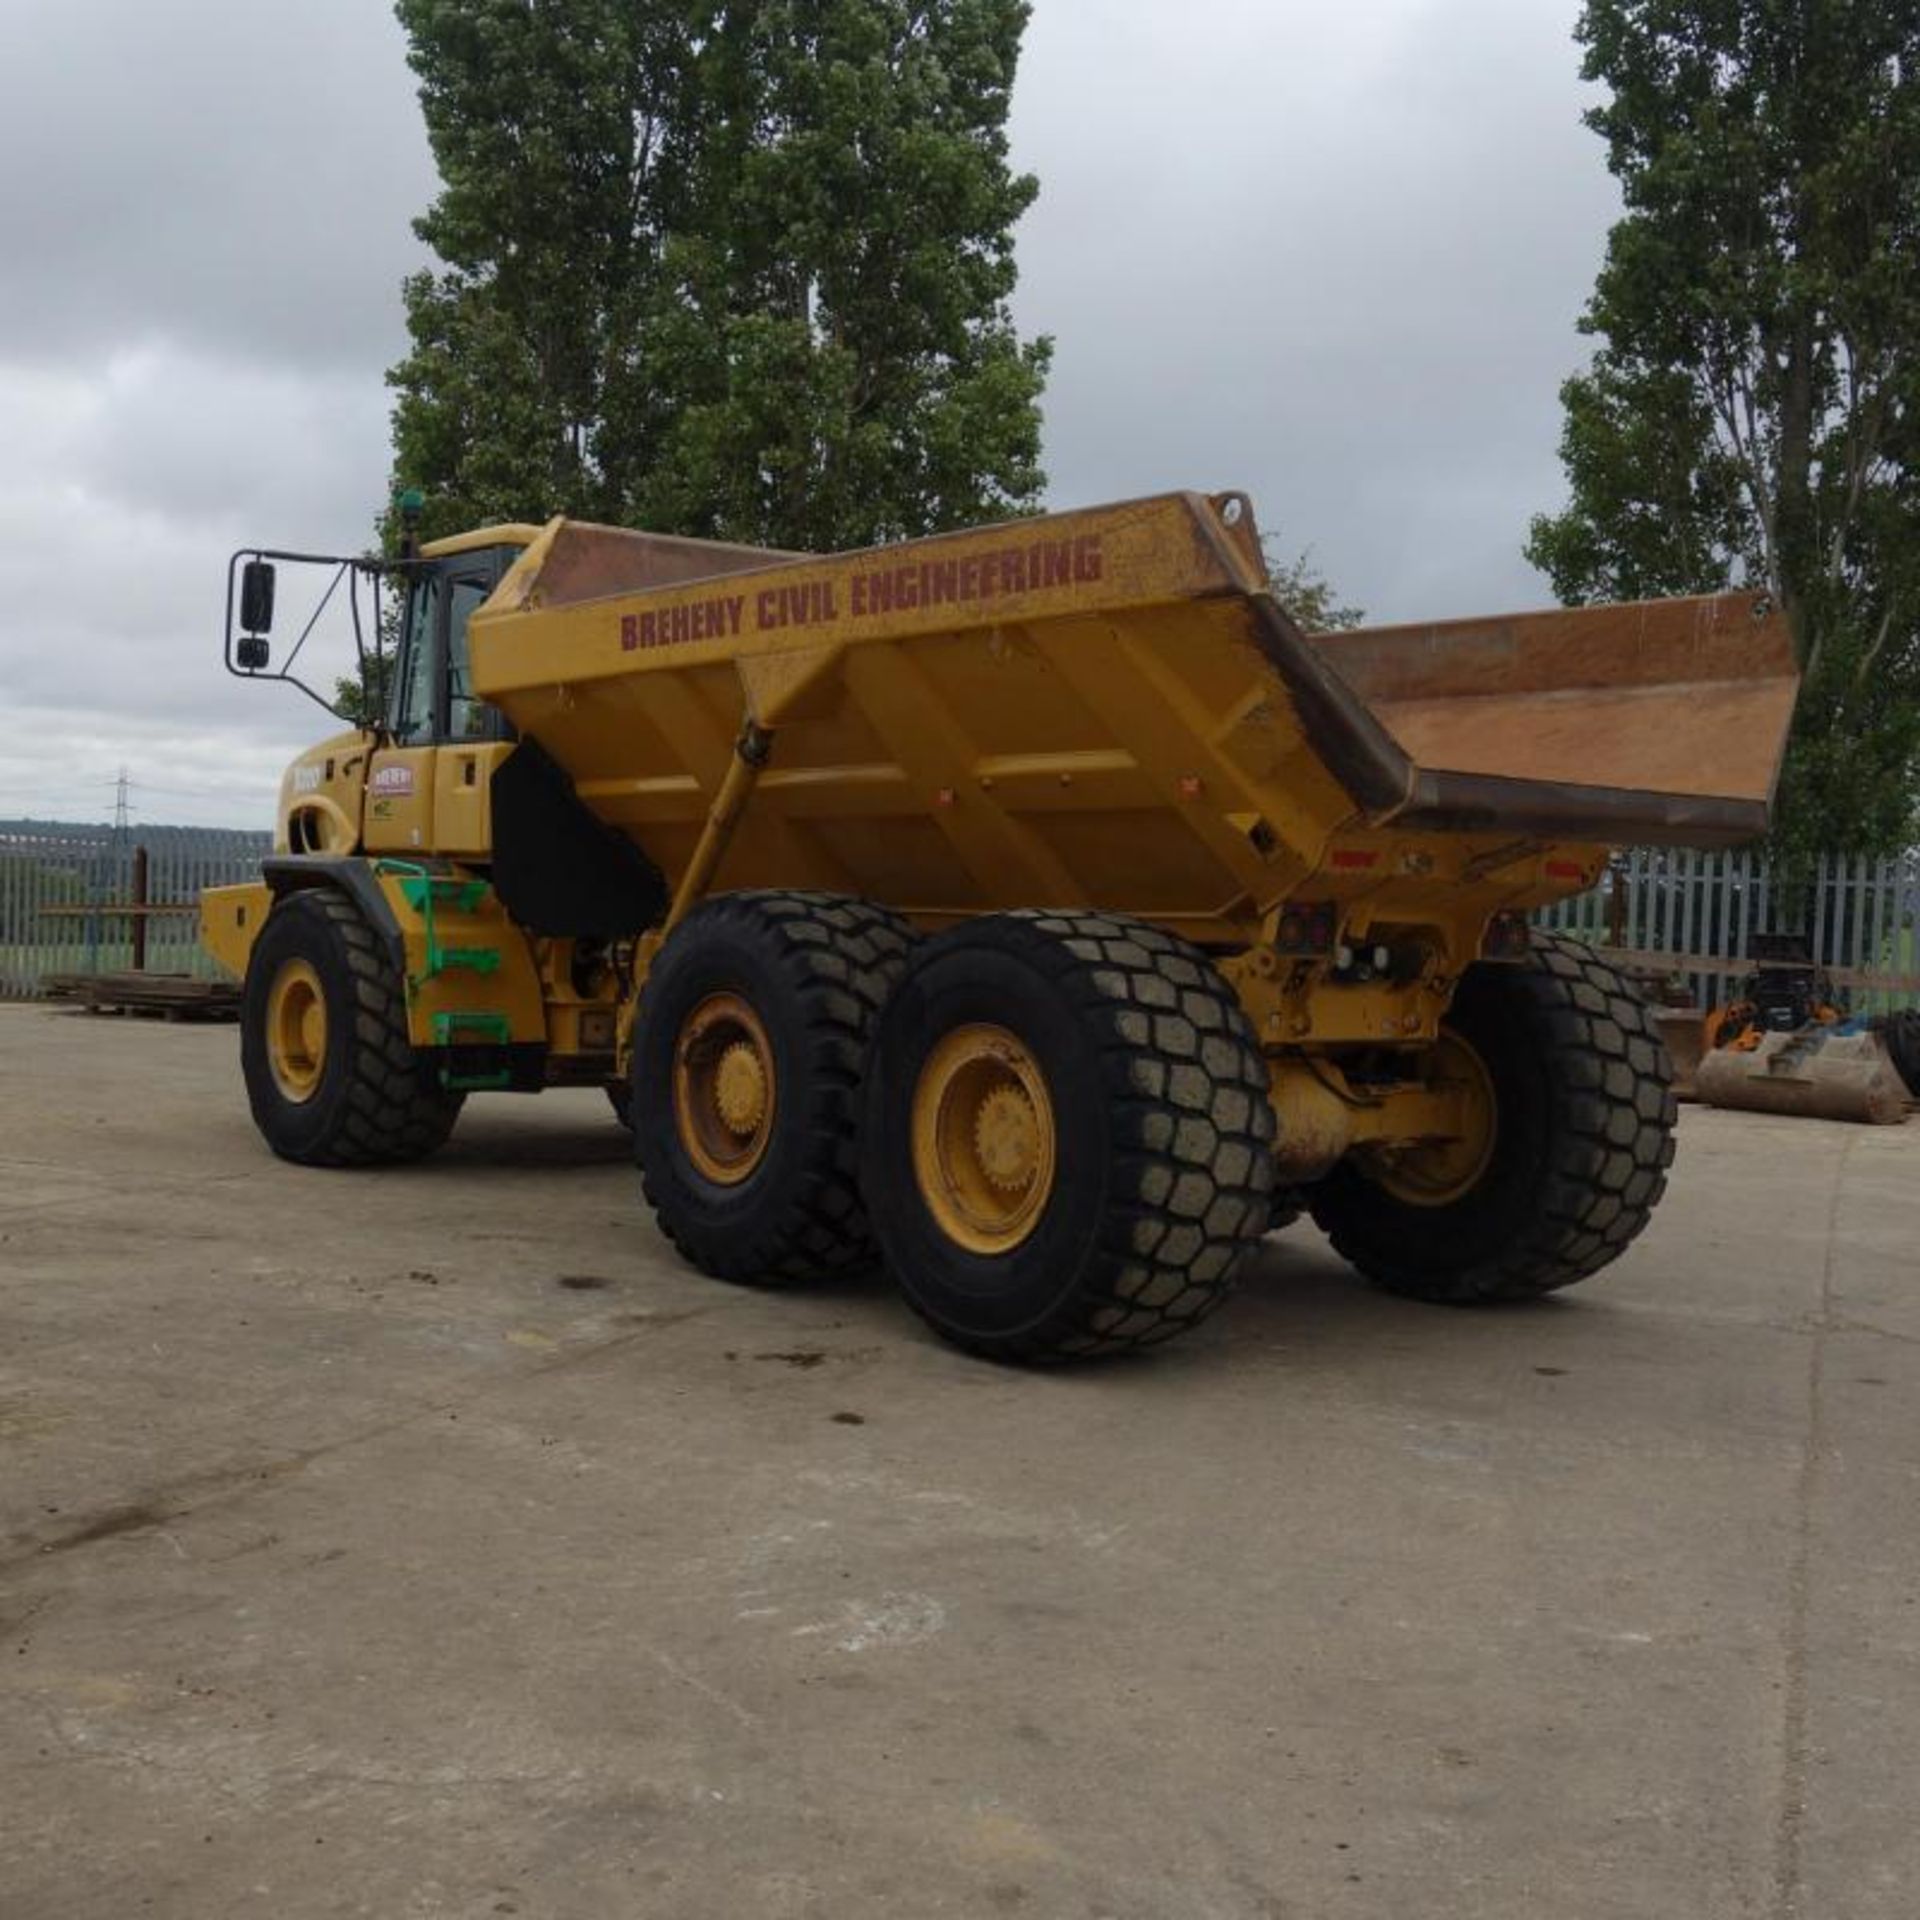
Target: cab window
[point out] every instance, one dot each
(433, 697)
(467, 718)
(413, 692)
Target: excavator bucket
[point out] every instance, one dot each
(1684, 1029)
(1110, 708)
(1819, 1073)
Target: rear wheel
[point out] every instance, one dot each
(1068, 1141)
(1903, 1044)
(1569, 1091)
(331, 1073)
(749, 1048)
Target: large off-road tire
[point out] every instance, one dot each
(1069, 1142)
(331, 1073)
(750, 1044)
(1581, 1092)
(1903, 1045)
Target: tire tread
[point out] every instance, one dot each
(842, 954)
(393, 1110)
(1608, 1151)
(1193, 1172)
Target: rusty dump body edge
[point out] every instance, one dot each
(1109, 707)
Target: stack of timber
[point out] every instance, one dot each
(168, 996)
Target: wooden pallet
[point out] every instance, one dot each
(164, 996)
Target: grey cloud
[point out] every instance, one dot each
(1332, 255)
(1352, 292)
(231, 174)
(297, 455)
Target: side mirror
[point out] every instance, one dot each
(256, 602)
(252, 652)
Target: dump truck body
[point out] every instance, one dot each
(1103, 718)
(1109, 707)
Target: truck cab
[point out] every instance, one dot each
(422, 785)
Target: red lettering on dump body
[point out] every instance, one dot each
(1034, 567)
(1022, 567)
(715, 619)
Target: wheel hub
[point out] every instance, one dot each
(984, 1141)
(1436, 1173)
(297, 1031)
(1006, 1138)
(740, 1090)
(724, 1092)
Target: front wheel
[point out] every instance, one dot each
(1069, 1141)
(331, 1073)
(1571, 1093)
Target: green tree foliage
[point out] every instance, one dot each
(1752, 411)
(732, 271)
(1306, 593)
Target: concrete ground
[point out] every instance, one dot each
(429, 1543)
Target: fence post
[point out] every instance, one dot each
(93, 877)
(139, 904)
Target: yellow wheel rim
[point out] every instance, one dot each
(1436, 1173)
(297, 1031)
(984, 1142)
(723, 1088)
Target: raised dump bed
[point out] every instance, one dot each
(1109, 708)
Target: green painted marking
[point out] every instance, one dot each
(473, 1030)
(423, 892)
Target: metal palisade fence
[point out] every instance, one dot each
(1688, 914)
(1695, 914)
(63, 891)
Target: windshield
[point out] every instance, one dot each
(431, 701)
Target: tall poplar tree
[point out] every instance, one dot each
(1752, 413)
(739, 270)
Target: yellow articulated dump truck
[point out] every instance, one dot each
(1036, 910)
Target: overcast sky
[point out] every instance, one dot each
(1333, 255)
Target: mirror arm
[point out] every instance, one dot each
(340, 564)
